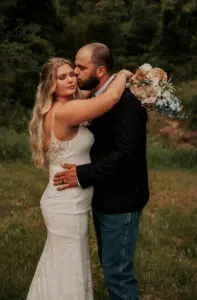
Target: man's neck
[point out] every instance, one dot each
(103, 80)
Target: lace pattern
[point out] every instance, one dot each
(58, 149)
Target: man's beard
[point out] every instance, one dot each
(89, 84)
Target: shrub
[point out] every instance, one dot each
(14, 115)
(192, 112)
(14, 145)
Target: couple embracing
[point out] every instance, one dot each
(102, 166)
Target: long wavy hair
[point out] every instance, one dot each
(43, 101)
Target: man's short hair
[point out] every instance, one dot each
(102, 55)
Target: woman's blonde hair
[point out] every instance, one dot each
(43, 102)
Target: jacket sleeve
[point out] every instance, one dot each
(130, 128)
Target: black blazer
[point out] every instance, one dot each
(118, 169)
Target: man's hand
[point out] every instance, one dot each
(66, 179)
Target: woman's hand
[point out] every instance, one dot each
(127, 73)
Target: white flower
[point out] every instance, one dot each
(167, 94)
(146, 67)
(159, 92)
(172, 106)
(159, 102)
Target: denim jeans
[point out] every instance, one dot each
(116, 237)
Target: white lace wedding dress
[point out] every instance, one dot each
(63, 271)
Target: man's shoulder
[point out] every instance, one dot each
(130, 105)
(128, 95)
(129, 100)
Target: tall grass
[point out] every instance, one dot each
(172, 158)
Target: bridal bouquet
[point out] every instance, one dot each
(152, 87)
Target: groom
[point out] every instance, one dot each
(118, 172)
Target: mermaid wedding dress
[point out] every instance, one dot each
(63, 271)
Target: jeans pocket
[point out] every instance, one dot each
(132, 217)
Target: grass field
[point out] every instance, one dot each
(166, 260)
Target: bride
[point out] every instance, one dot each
(63, 271)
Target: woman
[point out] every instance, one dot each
(63, 271)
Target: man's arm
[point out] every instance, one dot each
(130, 123)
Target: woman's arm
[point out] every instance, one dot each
(78, 111)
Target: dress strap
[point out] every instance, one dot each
(52, 122)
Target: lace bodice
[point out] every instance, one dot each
(74, 151)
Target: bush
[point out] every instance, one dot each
(14, 115)
(14, 145)
(192, 112)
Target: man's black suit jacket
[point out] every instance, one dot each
(118, 169)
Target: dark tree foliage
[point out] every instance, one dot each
(162, 32)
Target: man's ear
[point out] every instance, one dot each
(101, 71)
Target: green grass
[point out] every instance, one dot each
(165, 157)
(166, 260)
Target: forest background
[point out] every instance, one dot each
(160, 32)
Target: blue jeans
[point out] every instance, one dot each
(116, 237)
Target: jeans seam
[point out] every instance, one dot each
(125, 241)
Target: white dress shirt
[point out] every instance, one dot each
(104, 86)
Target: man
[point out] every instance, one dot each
(118, 172)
